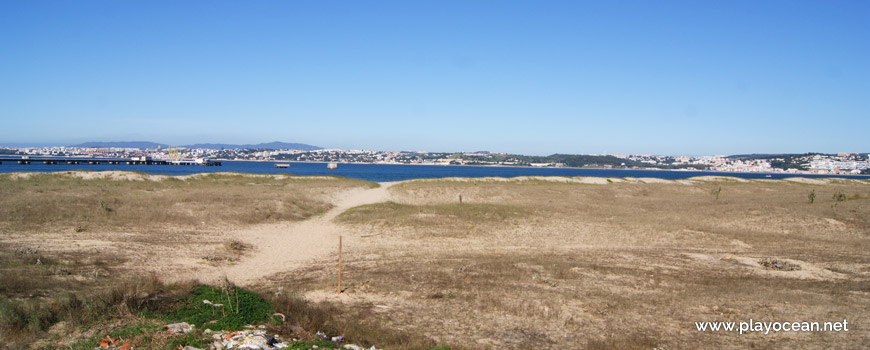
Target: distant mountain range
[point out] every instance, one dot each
(148, 144)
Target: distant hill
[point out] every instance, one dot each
(120, 144)
(270, 145)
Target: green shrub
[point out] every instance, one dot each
(239, 307)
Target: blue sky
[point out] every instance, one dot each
(542, 77)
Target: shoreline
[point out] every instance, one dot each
(566, 167)
(581, 179)
(780, 173)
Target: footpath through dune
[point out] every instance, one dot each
(283, 246)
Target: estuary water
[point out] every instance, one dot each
(388, 172)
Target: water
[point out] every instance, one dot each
(388, 172)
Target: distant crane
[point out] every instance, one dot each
(172, 153)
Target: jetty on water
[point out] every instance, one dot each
(25, 160)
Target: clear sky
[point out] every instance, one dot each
(531, 77)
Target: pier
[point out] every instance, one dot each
(26, 160)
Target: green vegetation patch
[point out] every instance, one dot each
(227, 308)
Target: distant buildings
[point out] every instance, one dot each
(842, 163)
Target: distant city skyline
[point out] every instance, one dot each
(571, 77)
(309, 147)
(135, 153)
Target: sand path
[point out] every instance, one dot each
(284, 246)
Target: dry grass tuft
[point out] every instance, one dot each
(232, 251)
(236, 247)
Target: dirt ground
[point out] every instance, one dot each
(546, 263)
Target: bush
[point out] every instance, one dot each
(228, 308)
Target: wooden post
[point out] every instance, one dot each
(339, 264)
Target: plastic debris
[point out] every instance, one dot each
(357, 347)
(253, 338)
(107, 342)
(207, 302)
(111, 343)
(179, 328)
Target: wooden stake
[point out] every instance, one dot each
(339, 264)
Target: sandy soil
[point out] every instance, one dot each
(286, 246)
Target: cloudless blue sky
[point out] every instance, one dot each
(531, 77)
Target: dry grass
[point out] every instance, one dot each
(456, 220)
(142, 222)
(85, 294)
(609, 266)
(305, 317)
(639, 299)
(39, 201)
(75, 245)
(517, 265)
(29, 272)
(774, 215)
(85, 310)
(45, 306)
